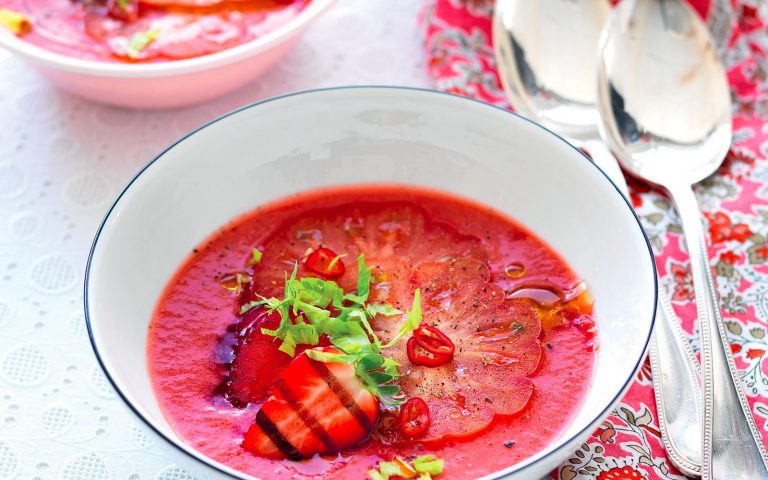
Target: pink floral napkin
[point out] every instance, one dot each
(735, 201)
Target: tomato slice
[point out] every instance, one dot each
(325, 262)
(414, 417)
(496, 341)
(488, 375)
(497, 348)
(393, 236)
(178, 35)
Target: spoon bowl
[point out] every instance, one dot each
(663, 93)
(546, 53)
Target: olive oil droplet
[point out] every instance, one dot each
(515, 270)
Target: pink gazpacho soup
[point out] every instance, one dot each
(144, 30)
(385, 331)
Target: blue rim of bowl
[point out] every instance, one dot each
(211, 463)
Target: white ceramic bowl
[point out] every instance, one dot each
(370, 134)
(166, 84)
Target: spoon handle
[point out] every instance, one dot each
(677, 390)
(673, 363)
(731, 445)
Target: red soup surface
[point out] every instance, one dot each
(496, 369)
(148, 30)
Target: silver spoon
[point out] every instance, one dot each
(665, 110)
(545, 51)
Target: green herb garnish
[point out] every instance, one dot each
(335, 260)
(312, 307)
(412, 320)
(139, 41)
(429, 464)
(424, 467)
(256, 255)
(374, 309)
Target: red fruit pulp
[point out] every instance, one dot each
(103, 31)
(519, 373)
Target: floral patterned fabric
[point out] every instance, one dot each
(735, 202)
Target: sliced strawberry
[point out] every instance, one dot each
(314, 407)
(257, 360)
(256, 441)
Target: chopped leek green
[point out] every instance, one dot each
(256, 255)
(139, 41)
(312, 307)
(423, 467)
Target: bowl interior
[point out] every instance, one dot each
(363, 135)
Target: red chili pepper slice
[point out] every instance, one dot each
(433, 340)
(420, 356)
(325, 262)
(414, 417)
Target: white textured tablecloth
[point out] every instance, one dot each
(62, 161)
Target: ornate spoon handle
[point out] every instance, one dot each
(731, 445)
(677, 390)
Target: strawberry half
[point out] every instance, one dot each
(314, 407)
(257, 360)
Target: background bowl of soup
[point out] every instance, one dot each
(358, 136)
(207, 51)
